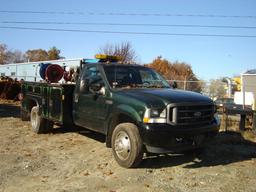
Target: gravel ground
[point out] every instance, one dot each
(79, 161)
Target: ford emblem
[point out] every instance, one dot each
(197, 114)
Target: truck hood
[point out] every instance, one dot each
(163, 97)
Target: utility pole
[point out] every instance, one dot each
(185, 83)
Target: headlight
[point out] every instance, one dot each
(155, 116)
(154, 113)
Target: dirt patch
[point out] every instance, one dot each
(79, 161)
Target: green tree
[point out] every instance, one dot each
(43, 55)
(54, 54)
(36, 55)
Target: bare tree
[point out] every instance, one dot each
(10, 56)
(15, 56)
(3, 53)
(217, 88)
(124, 50)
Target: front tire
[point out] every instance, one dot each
(38, 123)
(126, 145)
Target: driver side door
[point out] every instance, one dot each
(87, 102)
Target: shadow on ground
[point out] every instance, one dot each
(226, 148)
(82, 131)
(9, 110)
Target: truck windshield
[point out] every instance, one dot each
(134, 76)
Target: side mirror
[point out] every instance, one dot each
(95, 87)
(174, 85)
(84, 86)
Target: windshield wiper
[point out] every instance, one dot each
(127, 86)
(155, 86)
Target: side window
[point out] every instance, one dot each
(146, 76)
(90, 72)
(90, 77)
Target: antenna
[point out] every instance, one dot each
(114, 83)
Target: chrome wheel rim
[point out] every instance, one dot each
(122, 145)
(33, 119)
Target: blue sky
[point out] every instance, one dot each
(210, 57)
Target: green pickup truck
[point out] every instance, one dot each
(132, 105)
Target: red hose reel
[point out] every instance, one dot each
(51, 72)
(54, 73)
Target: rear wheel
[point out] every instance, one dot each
(38, 123)
(127, 145)
(24, 115)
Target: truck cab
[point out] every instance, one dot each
(134, 107)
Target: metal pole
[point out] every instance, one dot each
(36, 71)
(254, 115)
(243, 92)
(254, 121)
(16, 73)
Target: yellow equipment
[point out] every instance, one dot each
(110, 58)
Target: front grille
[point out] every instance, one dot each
(188, 114)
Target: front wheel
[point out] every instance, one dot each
(126, 145)
(38, 123)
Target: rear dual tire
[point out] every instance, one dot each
(39, 124)
(25, 116)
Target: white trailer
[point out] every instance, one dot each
(247, 96)
(30, 71)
